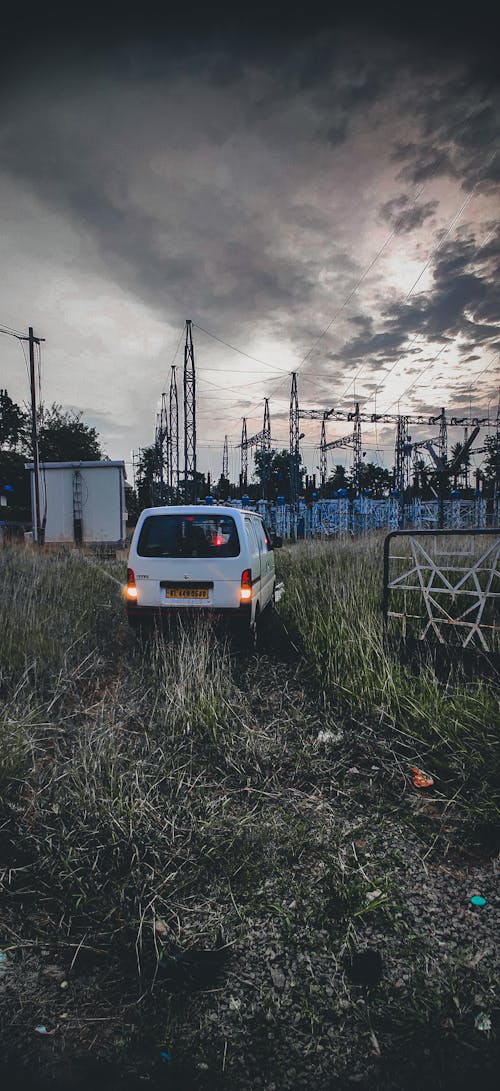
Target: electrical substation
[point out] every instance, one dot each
(317, 510)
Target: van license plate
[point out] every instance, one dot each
(186, 593)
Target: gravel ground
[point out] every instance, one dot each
(348, 857)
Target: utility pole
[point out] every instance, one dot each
(38, 525)
(38, 528)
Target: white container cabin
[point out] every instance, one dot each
(83, 502)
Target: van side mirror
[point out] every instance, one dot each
(276, 541)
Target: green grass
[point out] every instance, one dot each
(173, 782)
(332, 612)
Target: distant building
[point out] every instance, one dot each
(82, 502)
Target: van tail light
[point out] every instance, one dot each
(246, 585)
(131, 589)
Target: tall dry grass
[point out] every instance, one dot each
(332, 609)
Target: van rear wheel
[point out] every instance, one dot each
(245, 636)
(267, 614)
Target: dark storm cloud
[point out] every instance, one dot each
(191, 151)
(382, 346)
(458, 124)
(364, 322)
(76, 175)
(424, 161)
(84, 138)
(463, 303)
(403, 216)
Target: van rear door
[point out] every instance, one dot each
(266, 563)
(188, 560)
(254, 552)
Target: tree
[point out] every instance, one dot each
(422, 480)
(339, 479)
(62, 434)
(376, 478)
(223, 488)
(11, 421)
(14, 481)
(463, 466)
(132, 504)
(491, 470)
(64, 437)
(148, 471)
(276, 470)
(14, 485)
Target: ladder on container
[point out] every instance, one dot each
(77, 508)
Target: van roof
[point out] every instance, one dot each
(198, 509)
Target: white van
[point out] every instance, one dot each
(211, 559)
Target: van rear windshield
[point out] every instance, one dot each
(188, 536)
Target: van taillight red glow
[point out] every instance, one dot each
(131, 591)
(246, 585)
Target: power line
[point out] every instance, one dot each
(10, 332)
(485, 369)
(219, 386)
(255, 359)
(349, 297)
(430, 363)
(424, 369)
(409, 293)
(458, 214)
(174, 357)
(21, 338)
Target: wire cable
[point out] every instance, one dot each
(434, 358)
(10, 332)
(485, 369)
(174, 357)
(409, 293)
(234, 348)
(348, 297)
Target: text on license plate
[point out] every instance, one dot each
(186, 593)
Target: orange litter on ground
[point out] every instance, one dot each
(420, 779)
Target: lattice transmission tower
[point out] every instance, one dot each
(443, 436)
(225, 460)
(244, 455)
(323, 460)
(294, 452)
(266, 449)
(190, 482)
(161, 444)
(357, 446)
(173, 427)
(402, 450)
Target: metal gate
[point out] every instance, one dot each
(444, 584)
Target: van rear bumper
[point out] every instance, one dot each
(138, 615)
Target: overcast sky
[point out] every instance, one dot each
(322, 193)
